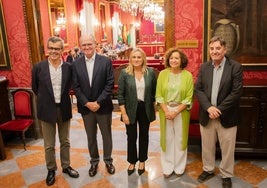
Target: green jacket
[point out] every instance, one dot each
(186, 97)
(127, 94)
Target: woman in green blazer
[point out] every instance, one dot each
(136, 97)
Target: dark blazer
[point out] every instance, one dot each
(127, 94)
(42, 87)
(102, 84)
(230, 91)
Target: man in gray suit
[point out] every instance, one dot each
(218, 89)
(51, 81)
(93, 82)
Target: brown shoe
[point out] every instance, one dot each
(93, 170)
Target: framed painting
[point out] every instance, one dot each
(4, 52)
(243, 26)
(158, 28)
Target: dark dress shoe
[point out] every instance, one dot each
(226, 182)
(93, 170)
(110, 168)
(50, 178)
(141, 170)
(204, 176)
(130, 171)
(71, 172)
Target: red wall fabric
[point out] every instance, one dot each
(20, 75)
(189, 26)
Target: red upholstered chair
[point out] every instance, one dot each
(23, 113)
(194, 129)
(71, 93)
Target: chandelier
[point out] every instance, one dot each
(134, 6)
(154, 13)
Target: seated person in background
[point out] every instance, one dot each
(119, 45)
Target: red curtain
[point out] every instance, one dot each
(79, 5)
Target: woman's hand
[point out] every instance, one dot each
(125, 119)
(170, 115)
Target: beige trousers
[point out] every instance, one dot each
(49, 135)
(227, 138)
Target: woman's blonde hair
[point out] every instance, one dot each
(130, 69)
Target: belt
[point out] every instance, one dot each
(139, 101)
(173, 104)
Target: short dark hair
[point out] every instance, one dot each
(184, 60)
(55, 39)
(218, 38)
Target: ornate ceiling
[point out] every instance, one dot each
(160, 2)
(60, 3)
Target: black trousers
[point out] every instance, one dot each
(132, 133)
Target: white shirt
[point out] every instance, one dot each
(90, 67)
(56, 78)
(140, 88)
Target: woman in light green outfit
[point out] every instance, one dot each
(174, 94)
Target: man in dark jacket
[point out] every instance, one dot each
(218, 89)
(93, 82)
(51, 81)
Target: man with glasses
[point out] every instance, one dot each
(51, 81)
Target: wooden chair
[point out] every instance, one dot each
(23, 113)
(116, 74)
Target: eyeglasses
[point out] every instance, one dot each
(87, 44)
(52, 48)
